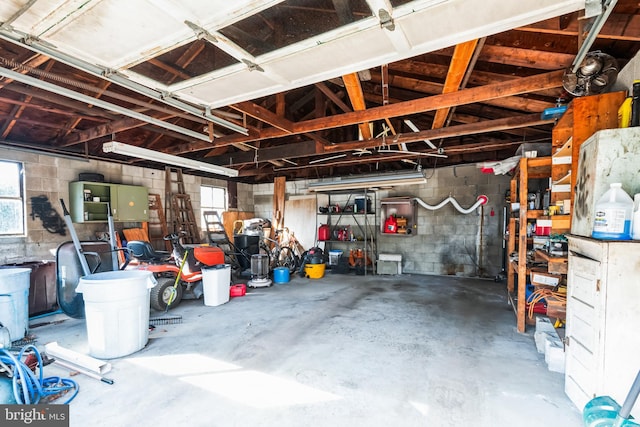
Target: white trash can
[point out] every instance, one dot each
(216, 283)
(14, 301)
(116, 311)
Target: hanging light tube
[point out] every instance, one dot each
(369, 181)
(49, 50)
(156, 156)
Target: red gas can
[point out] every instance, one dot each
(324, 232)
(391, 225)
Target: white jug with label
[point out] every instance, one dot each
(613, 215)
(635, 219)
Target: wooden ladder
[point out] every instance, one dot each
(179, 208)
(157, 227)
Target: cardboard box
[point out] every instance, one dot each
(556, 309)
(538, 277)
(561, 222)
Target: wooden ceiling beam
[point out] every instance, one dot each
(61, 101)
(100, 131)
(448, 132)
(354, 90)
(512, 103)
(34, 123)
(619, 26)
(48, 109)
(264, 115)
(104, 85)
(467, 96)
(5, 130)
(439, 72)
(352, 160)
(458, 68)
(529, 58)
(308, 148)
(322, 87)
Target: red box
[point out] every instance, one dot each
(543, 227)
(238, 290)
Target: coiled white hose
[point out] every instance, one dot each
(482, 200)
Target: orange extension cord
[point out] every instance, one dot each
(540, 294)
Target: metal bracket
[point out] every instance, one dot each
(200, 32)
(252, 65)
(386, 21)
(592, 8)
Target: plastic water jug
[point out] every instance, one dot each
(635, 220)
(612, 219)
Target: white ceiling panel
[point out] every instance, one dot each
(234, 87)
(120, 33)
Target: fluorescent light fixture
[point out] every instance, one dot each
(156, 156)
(369, 181)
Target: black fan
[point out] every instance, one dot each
(597, 73)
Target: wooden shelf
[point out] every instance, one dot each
(555, 264)
(528, 168)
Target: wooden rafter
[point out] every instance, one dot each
(462, 55)
(264, 115)
(467, 96)
(19, 109)
(449, 132)
(354, 89)
(307, 148)
(351, 160)
(322, 87)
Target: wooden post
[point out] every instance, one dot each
(279, 190)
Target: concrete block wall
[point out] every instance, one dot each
(447, 242)
(263, 196)
(49, 176)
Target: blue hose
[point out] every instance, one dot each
(29, 388)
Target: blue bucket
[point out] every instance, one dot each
(281, 275)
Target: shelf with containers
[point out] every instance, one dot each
(584, 116)
(398, 216)
(91, 201)
(520, 232)
(347, 221)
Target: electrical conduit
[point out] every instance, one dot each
(482, 200)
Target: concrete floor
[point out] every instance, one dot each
(339, 351)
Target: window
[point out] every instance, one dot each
(12, 218)
(212, 199)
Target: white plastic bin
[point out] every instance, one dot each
(14, 301)
(216, 281)
(334, 256)
(116, 311)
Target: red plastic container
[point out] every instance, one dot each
(238, 290)
(324, 232)
(391, 225)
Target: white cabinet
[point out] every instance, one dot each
(608, 156)
(603, 319)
